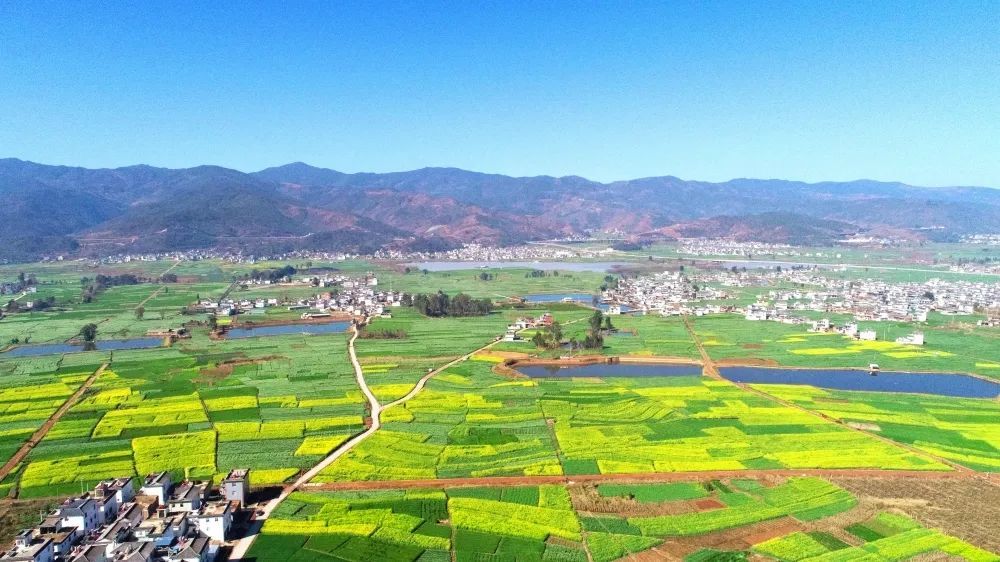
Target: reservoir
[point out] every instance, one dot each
(288, 329)
(941, 384)
(100, 345)
(605, 370)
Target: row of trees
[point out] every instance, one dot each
(440, 304)
(271, 275)
(91, 287)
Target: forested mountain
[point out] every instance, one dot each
(59, 209)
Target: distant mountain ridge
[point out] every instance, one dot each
(62, 209)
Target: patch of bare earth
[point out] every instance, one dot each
(968, 509)
(740, 538)
(587, 500)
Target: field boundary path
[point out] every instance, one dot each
(40, 434)
(707, 363)
(500, 481)
(242, 546)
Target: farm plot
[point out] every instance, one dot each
(964, 431)
(887, 536)
(947, 350)
(466, 422)
(276, 406)
(522, 523)
(396, 364)
(694, 424)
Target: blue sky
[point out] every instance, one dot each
(906, 91)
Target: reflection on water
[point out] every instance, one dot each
(942, 384)
(99, 345)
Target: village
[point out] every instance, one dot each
(805, 291)
(346, 296)
(164, 522)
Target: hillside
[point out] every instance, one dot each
(145, 208)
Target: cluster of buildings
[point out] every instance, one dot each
(992, 239)
(357, 296)
(354, 298)
(478, 252)
(224, 255)
(163, 522)
(722, 247)
(667, 294)
(525, 322)
(879, 300)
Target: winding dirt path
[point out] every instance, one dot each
(242, 546)
(42, 431)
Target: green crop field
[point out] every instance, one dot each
(554, 522)
(471, 422)
(277, 406)
(604, 468)
(965, 431)
(948, 348)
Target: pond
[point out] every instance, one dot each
(941, 384)
(612, 370)
(100, 345)
(288, 329)
(582, 298)
(595, 266)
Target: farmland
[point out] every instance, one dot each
(948, 349)
(603, 468)
(581, 522)
(471, 422)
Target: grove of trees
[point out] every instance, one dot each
(440, 304)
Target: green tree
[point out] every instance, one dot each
(596, 319)
(140, 311)
(89, 332)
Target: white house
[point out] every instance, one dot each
(215, 519)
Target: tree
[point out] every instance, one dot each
(140, 311)
(89, 332)
(11, 305)
(607, 323)
(213, 323)
(20, 277)
(593, 340)
(595, 320)
(573, 345)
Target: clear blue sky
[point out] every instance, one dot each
(821, 90)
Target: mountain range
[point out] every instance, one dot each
(59, 209)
